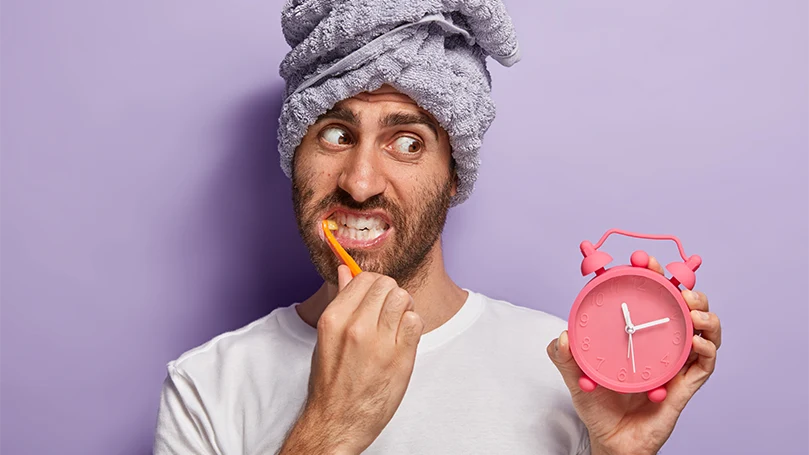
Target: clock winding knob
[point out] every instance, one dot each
(639, 259)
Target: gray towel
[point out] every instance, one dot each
(434, 51)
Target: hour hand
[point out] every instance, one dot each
(627, 319)
(646, 325)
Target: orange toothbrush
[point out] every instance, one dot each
(328, 226)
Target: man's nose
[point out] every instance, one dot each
(362, 175)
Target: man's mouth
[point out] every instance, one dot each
(359, 229)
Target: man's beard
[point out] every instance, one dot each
(405, 255)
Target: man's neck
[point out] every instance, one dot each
(437, 298)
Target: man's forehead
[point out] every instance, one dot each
(390, 96)
(386, 104)
(384, 93)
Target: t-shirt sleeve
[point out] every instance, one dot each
(183, 423)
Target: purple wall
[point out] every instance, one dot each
(143, 210)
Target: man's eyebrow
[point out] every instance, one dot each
(409, 118)
(341, 113)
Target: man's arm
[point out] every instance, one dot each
(312, 434)
(182, 425)
(361, 366)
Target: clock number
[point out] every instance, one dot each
(622, 375)
(614, 286)
(639, 282)
(647, 373)
(600, 361)
(583, 319)
(665, 360)
(585, 344)
(676, 339)
(599, 299)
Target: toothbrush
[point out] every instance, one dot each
(328, 226)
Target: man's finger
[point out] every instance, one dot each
(347, 300)
(655, 266)
(397, 302)
(708, 323)
(706, 362)
(371, 304)
(409, 333)
(684, 386)
(692, 357)
(699, 372)
(695, 300)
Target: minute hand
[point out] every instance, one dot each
(646, 325)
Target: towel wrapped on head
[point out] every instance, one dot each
(433, 51)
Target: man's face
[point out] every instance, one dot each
(380, 167)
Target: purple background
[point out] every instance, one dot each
(144, 212)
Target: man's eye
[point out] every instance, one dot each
(407, 145)
(337, 136)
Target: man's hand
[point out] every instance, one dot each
(631, 423)
(361, 366)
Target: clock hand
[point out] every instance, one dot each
(651, 324)
(630, 329)
(625, 309)
(632, 349)
(629, 346)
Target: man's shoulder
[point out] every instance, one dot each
(256, 338)
(518, 318)
(519, 310)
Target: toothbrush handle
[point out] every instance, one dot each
(341, 252)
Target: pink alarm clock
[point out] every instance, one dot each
(630, 328)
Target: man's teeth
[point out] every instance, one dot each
(359, 222)
(359, 227)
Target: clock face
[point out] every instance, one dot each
(661, 339)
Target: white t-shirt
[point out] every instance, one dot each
(482, 384)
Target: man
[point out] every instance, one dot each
(384, 114)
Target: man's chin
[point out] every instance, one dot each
(367, 265)
(405, 273)
(327, 267)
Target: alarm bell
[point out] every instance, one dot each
(683, 272)
(593, 259)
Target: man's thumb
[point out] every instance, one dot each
(560, 355)
(343, 277)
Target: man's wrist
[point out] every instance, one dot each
(599, 449)
(313, 433)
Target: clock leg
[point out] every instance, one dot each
(586, 384)
(657, 395)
